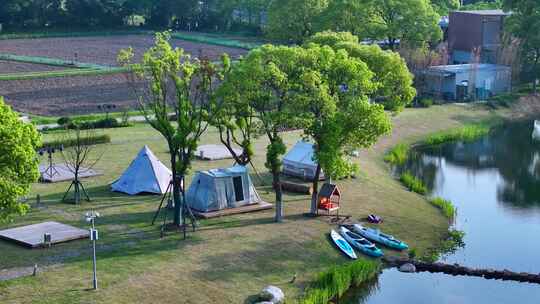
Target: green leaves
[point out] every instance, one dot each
(18, 161)
(178, 85)
(412, 21)
(524, 24)
(392, 81)
(293, 20)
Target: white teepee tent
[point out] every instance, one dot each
(145, 174)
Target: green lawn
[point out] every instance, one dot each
(228, 259)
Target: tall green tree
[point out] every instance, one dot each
(332, 105)
(524, 24)
(413, 21)
(393, 81)
(18, 161)
(266, 82)
(178, 84)
(235, 117)
(293, 20)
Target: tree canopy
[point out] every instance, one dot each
(324, 91)
(413, 21)
(265, 84)
(293, 20)
(524, 24)
(393, 81)
(443, 7)
(18, 161)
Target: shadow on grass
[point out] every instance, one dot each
(257, 259)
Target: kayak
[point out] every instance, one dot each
(356, 240)
(342, 244)
(377, 236)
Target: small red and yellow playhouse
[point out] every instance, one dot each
(329, 198)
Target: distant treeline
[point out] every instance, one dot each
(203, 15)
(214, 15)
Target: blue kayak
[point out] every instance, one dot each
(377, 236)
(342, 244)
(363, 245)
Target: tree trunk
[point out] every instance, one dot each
(279, 197)
(177, 219)
(315, 194)
(535, 68)
(76, 195)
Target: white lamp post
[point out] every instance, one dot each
(91, 218)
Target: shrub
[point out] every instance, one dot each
(338, 279)
(398, 154)
(412, 253)
(99, 124)
(69, 142)
(450, 244)
(445, 206)
(104, 123)
(426, 102)
(64, 121)
(412, 183)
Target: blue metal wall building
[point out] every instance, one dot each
(464, 82)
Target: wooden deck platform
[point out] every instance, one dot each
(61, 172)
(230, 211)
(32, 236)
(215, 152)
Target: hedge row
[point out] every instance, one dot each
(51, 61)
(62, 73)
(70, 142)
(35, 35)
(196, 37)
(215, 41)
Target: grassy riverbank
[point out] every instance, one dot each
(228, 259)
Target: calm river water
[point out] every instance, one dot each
(495, 184)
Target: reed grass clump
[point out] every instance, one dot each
(398, 154)
(466, 133)
(412, 183)
(338, 279)
(446, 207)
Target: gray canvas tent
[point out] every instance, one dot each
(299, 162)
(219, 189)
(145, 174)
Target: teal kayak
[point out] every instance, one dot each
(377, 236)
(342, 244)
(362, 244)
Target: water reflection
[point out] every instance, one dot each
(495, 184)
(509, 149)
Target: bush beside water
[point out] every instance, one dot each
(338, 279)
(446, 207)
(466, 133)
(412, 183)
(452, 242)
(398, 154)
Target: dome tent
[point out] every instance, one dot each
(219, 189)
(299, 162)
(145, 174)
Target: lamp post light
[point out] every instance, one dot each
(91, 218)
